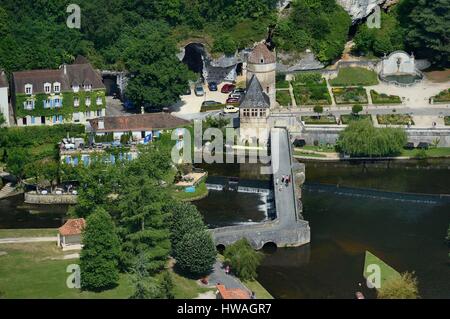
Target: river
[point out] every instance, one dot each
(407, 232)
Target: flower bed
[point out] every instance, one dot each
(346, 119)
(350, 95)
(447, 120)
(315, 120)
(284, 98)
(381, 98)
(395, 119)
(442, 97)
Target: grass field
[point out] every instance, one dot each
(355, 77)
(432, 152)
(258, 289)
(447, 120)
(323, 120)
(19, 233)
(200, 192)
(320, 148)
(28, 271)
(443, 97)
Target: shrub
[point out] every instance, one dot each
(357, 108)
(403, 287)
(243, 259)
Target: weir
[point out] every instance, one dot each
(288, 229)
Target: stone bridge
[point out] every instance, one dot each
(288, 229)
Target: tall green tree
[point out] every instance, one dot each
(427, 28)
(144, 224)
(157, 77)
(100, 255)
(145, 286)
(243, 259)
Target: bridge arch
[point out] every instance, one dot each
(220, 248)
(270, 247)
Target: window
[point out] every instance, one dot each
(87, 87)
(47, 88)
(254, 112)
(76, 88)
(57, 103)
(33, 120)
(99, 100)
(76, 102)
(246, 112)
(29, 105)
(56, 87)
(262, 113)
(88, 101)
(47, 104)
(99, 112)
(29, 89)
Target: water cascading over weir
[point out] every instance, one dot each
(288, 229)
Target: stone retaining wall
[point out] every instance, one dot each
(37, 199)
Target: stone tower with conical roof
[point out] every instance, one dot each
(262, 63)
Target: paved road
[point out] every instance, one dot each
(25, 240)
(284, 195)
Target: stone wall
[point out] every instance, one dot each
(37, 199)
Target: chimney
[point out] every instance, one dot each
(65, 69)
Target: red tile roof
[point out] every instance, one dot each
(72, 227)
(139, 122)
(261, 55)
(232, 294)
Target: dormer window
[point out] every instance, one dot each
(76, 102)
(56, 87)
(28, 89)
(47, 88)
(87, 87)
(76, 88)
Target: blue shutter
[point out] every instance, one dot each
(60, 119)
(68, 158)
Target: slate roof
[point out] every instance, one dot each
(261, 55)
(139, 122)
(3, 80)
(75, 74)
(72, 227)
(255, 97)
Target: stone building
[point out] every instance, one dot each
(69, 235)
(254, 114)
(262, 64)
(4, 104)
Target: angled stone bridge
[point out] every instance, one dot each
(288, 229)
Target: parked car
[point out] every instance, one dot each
(212, 86)
(409, 146)
(199, 90)
(232, 100)
(239, 91)
(299, 143)
(230, 109)
(210, 103)
(228, 88)
(235, 96)
(423, 146)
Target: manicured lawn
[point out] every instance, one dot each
(311, 95)
(346, 119)
(323, 120)
(355, 77)
(432, 152)
(447, 120)
(200, 192)
(320, 148)
(284, 98)
(19, 233)
(382, 98)
(443, 97)
(395, 119)
(350, 95)
(258, 289)
(281, 82)
(28, 271)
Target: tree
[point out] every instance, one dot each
(157, 77)
(167, 286)
(427, 31)
(318, 109)
(243, 259)
(356, 109)
(402, 287)
(196, 253)
(224, 43)
(361, 138)
(144, 223)
(2, 119)
(17, 160)
(145, 287)
(100, 255)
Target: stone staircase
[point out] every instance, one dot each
(7, 191)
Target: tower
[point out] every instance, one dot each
(262, 64)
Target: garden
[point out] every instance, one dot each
(319, 120)
(350, 95)
(442, 97)
(382, 98)
(284, 98)
(395, 119)
(311, 89)
(347, 118)
(355, 76)
(282, 83)
(447, 120)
